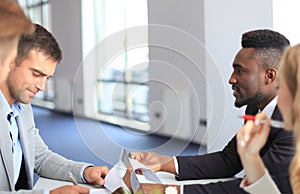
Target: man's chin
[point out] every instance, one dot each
(25, 101)
(238, 104)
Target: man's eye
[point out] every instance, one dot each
(36, 74)
(238, 71)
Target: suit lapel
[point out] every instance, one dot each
(6, 148)
(276, 114)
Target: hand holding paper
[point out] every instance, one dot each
(154, 161)
(122, 176)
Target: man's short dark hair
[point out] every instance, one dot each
(269, 46)
(264, 39)
(41, 40)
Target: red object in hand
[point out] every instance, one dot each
(273, 123)
(248, 117)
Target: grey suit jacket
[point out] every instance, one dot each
(38, 158)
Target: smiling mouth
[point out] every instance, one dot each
(235, 91)
(32, 94)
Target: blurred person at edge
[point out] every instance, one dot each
(13, 23)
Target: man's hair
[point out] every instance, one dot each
(269, 46)
(42, 41)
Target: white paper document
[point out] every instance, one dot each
(114, 179)
(99, 191)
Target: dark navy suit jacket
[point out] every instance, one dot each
(276, 154)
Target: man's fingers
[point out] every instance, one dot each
(136, 155)
(82, 189)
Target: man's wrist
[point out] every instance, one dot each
(168, 164)
(82, 172)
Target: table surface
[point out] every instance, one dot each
(166, 178)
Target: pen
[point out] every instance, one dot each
(273, 123)
(73, 179)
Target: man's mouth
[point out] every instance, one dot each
(31, 93)
(235, 91)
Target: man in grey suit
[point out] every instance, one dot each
(22, 151)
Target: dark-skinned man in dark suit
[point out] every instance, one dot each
(254, 82)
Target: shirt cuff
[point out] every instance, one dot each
(81, 172)
(46, 192)
(181, 189)
(176, 164)
(264, 183)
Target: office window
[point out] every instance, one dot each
(121, 87)
(39, 12)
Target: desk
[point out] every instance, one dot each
(169, 179)
(49, 184)
(166, 178)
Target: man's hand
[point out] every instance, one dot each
(155, 161)
(71, 189)
(95, 174)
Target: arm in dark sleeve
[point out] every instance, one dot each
(276, 154)
(226, 187)
(225, 163)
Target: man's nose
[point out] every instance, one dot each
(41, 85)
(232, 80)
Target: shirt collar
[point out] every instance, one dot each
(269, 109)
(16, 107)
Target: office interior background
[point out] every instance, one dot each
(156, 67)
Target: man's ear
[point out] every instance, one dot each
(12, 64)
(271, 75)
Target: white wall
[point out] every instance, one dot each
(66, 22)
(219, 25)
(177, 68)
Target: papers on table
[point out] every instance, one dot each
(114, 179)
(99, 191)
